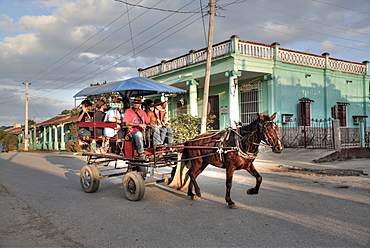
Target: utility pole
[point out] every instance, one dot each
(26, 135)
(203, 127)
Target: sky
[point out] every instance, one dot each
(63, 46)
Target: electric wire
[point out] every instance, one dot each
(159, 9)
(149, 28)
(287, 14)
(204, 26)
(115, 65)
(132, 39)
(255, 17)
(201, 11)
(101, 30)
(86, 50)
(339, 6)
(326, 42)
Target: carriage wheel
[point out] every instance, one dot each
(89, 179)
(133, 186)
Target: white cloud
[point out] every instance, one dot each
(66, 48)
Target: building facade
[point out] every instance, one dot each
(249, 78)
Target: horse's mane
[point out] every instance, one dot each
(253, 125)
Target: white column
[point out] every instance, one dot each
(193, 95)
(233, 108)
(62, 138)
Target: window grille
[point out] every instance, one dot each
(250, 99)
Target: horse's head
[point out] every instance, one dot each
(268, 131)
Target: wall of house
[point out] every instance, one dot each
(324, 87)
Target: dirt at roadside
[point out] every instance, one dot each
(327, 172)
(22, 227)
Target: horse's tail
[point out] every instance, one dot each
(180, 179)
(185, 152)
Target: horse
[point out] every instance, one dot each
(237, 150)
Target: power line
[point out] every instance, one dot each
(297, 27)
(101, 30)
(114, 65)
(284, 13)
(152, 8)
(84, 50)
(339, 6)
(88, 50)
(149, 28)
(299, 36)
(132, 39)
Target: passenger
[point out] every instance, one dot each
(100, 108)
(85, 116)
(114, 115)
(160, 114)
(138, 120)
(153, 123)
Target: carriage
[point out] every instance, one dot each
(179, 165)
(137, 172)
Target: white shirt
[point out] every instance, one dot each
(112, 112)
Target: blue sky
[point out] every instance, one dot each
(62, 46)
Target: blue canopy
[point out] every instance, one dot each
(135, 86)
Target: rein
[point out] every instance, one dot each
(247, 154)
(239, 139)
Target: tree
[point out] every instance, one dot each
(66, 112)
(31, 122)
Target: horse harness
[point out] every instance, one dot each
(238, 141)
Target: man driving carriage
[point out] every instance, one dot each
(137, 119)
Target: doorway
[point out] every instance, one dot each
(213, 109)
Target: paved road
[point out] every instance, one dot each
(43, 205)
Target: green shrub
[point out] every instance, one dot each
(186, 127)
(10, 140)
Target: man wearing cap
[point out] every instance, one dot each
(85, 116)
(136, 118)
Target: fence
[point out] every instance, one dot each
(350, 137)
(320, 134)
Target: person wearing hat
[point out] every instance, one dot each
(153, 123)
(160, 114)
(85, 116)
(137, 119)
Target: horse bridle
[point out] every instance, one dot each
(263, 129)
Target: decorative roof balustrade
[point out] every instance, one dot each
(344, 66)
(256, 50)
(301, 58)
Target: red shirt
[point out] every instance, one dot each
(131, 116)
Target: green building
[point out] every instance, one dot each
(249, 78)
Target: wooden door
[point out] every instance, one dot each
(214, 109)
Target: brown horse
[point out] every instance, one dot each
(245, 142)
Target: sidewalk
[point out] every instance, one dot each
(303, 158)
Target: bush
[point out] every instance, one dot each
(186, 127)
(10, 140)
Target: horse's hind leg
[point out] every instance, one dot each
(193, 174)
(229, 184)
(253, 172)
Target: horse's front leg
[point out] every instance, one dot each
(229, 184)
(253, 172)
